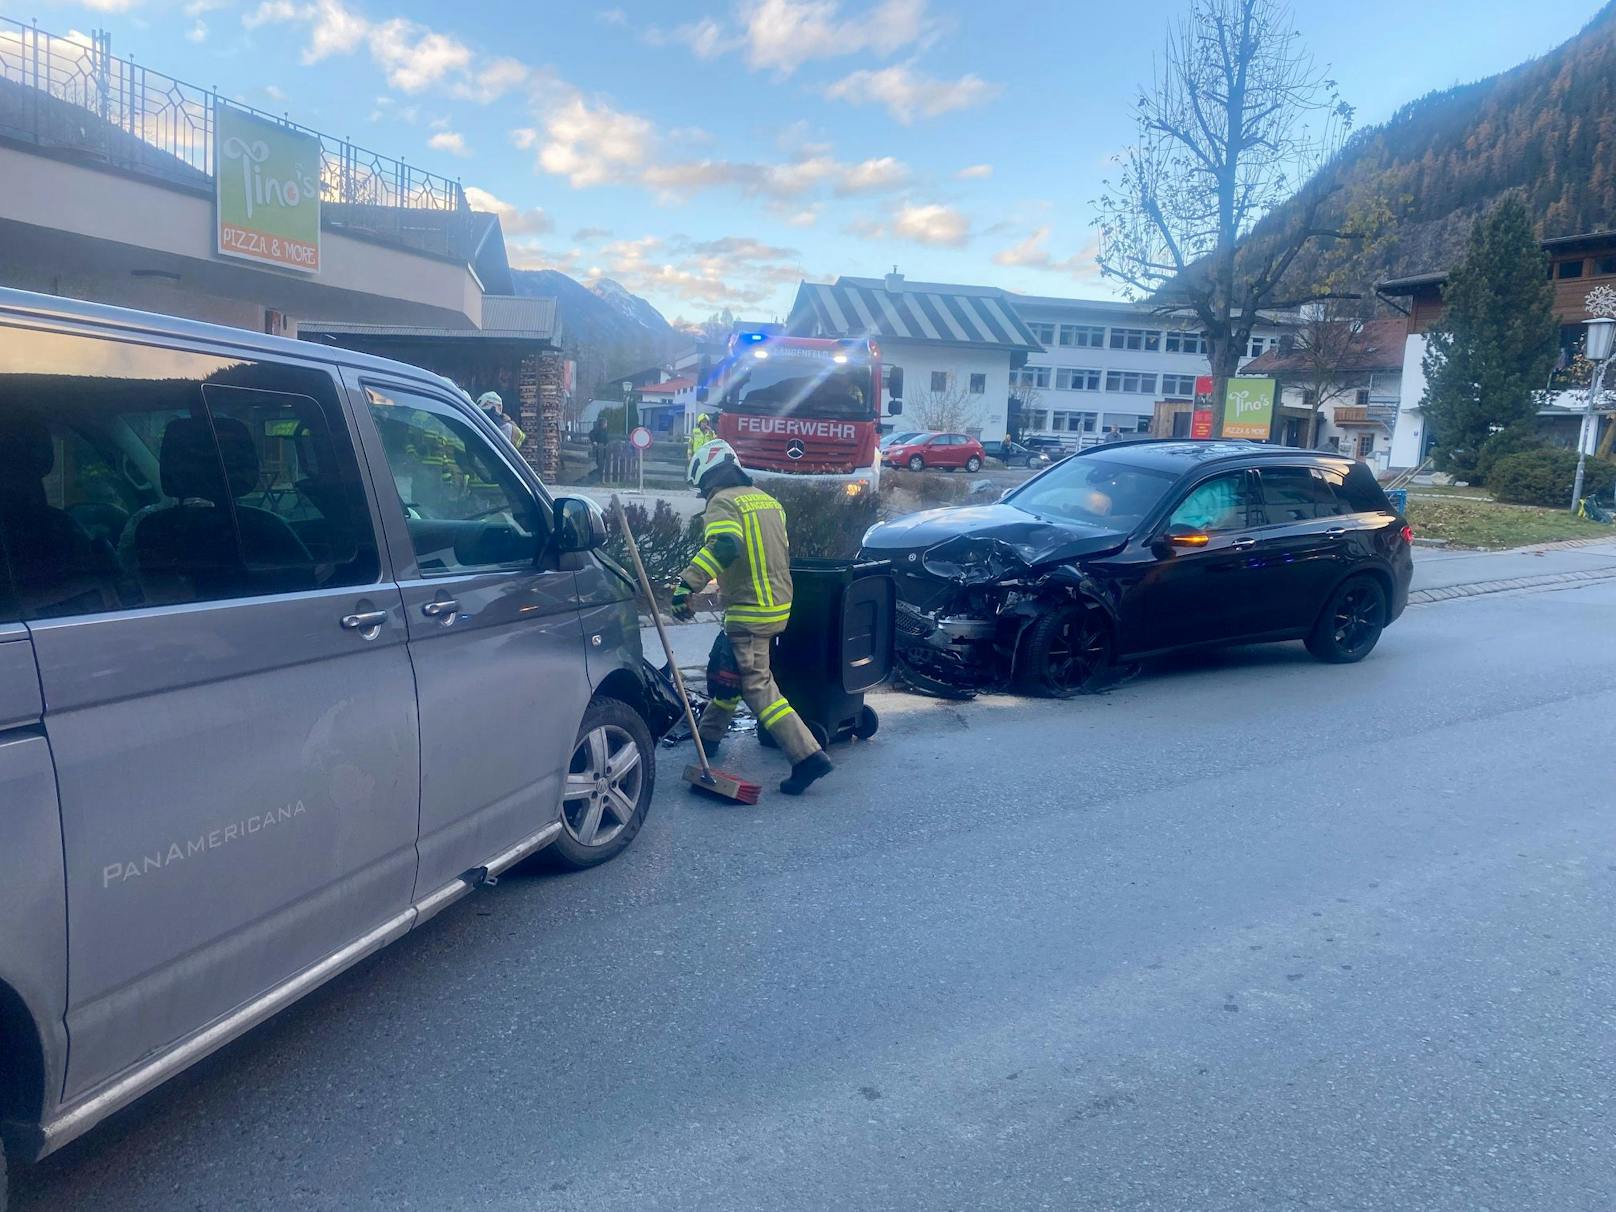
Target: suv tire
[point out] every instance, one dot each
(1350, 624)
(613, 768)
(1067, 651)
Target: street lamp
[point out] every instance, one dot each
(1597, 345)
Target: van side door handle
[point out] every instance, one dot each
(444, 609)
(368, 623)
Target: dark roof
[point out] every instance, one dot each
(895, 309)
(1411, 284)
(469, 237)
(240, 340)
(1591, 241)
(1378, 345)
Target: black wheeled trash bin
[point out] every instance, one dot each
(837, 645)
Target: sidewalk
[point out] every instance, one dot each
(1440, 574)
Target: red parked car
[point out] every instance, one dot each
(949, 451)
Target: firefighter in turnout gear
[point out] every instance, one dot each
(747, 554)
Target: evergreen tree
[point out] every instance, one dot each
(1497, 341)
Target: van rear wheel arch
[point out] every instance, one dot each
(22, 1076)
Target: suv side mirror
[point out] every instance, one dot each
(1189, 537)
(579, 525)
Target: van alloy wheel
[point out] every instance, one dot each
(603, 786)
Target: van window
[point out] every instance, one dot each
(8, 599)
(133, 475)
(464, 506)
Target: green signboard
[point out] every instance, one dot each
(267, 190)
(1248, 410)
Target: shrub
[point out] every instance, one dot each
(1544, 477)
(1514, 440)
(824, 520)
(666, 542)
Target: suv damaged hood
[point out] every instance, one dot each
(985, 543)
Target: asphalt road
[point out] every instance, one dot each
(1248, 932)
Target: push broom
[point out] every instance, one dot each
(702, 777)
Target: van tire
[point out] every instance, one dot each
(617, 725)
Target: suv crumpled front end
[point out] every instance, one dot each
(970, 583)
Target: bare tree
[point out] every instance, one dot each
(1327, 353)
(1238, 117)
(952, 410)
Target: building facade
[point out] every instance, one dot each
(957, 346)
(1577, 264)
(1106, 365)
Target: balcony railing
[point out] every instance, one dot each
(73, 95)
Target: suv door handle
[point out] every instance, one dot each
(443, 608)
(368, 623)
(1337, 532)
(1243, 544)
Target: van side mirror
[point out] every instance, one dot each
(579, 525)
(895, 384)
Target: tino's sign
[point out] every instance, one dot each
(1248, 410)
(267, 191)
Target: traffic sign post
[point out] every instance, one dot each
(640, 439)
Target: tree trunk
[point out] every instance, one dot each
(1609, 439)
(1225, 362)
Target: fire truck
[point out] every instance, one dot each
(801, 405)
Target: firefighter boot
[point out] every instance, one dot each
(813, 767)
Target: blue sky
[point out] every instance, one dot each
(713, 153)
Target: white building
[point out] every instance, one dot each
(1106, 364)
(956, 345)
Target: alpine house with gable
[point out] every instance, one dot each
(957, 345)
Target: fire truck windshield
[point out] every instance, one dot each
(803, 387)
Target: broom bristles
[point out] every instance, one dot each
(723, 784)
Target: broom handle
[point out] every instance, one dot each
(662, 634)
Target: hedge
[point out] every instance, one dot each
(1545, 477)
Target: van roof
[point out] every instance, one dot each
(23, 303)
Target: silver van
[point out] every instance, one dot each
(295, 650)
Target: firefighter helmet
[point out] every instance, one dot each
(708, 456)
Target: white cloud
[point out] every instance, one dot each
(612, 16)
(706, 38)
(727, 272)
(974, 172)
(271, 12)
(274, 93)
(587, 235)
(590, 143)
(907, 94)
(1033, 253)
(198, 32)
(336, 30)
(925, 223)
(682, 178)
(413, 56)
(513, 220)
(449, 141)
(873, 176)
(782, 35)
(110, 6)
(493, 80)
(195, 8)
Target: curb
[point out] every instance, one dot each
(1477, 588)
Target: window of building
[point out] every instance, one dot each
(1032, 376)
(1073, 422)
(1035, 419)
(1043, 331)
(1361, 397)
(1082, 336)
(979, 384)
(1130, 381)
(1606, 266)
(465, 508)
(1136, 338)
(939, 380)
(1178, 387)
(1186, 342)
(1260, 344)
(1142, 425)
(1366, 444)
(1074, 378)
(138, 476)
(1569, 269)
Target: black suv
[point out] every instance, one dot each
(1135, 549)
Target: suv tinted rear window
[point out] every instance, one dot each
(1358, 488)
(1298, 494)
